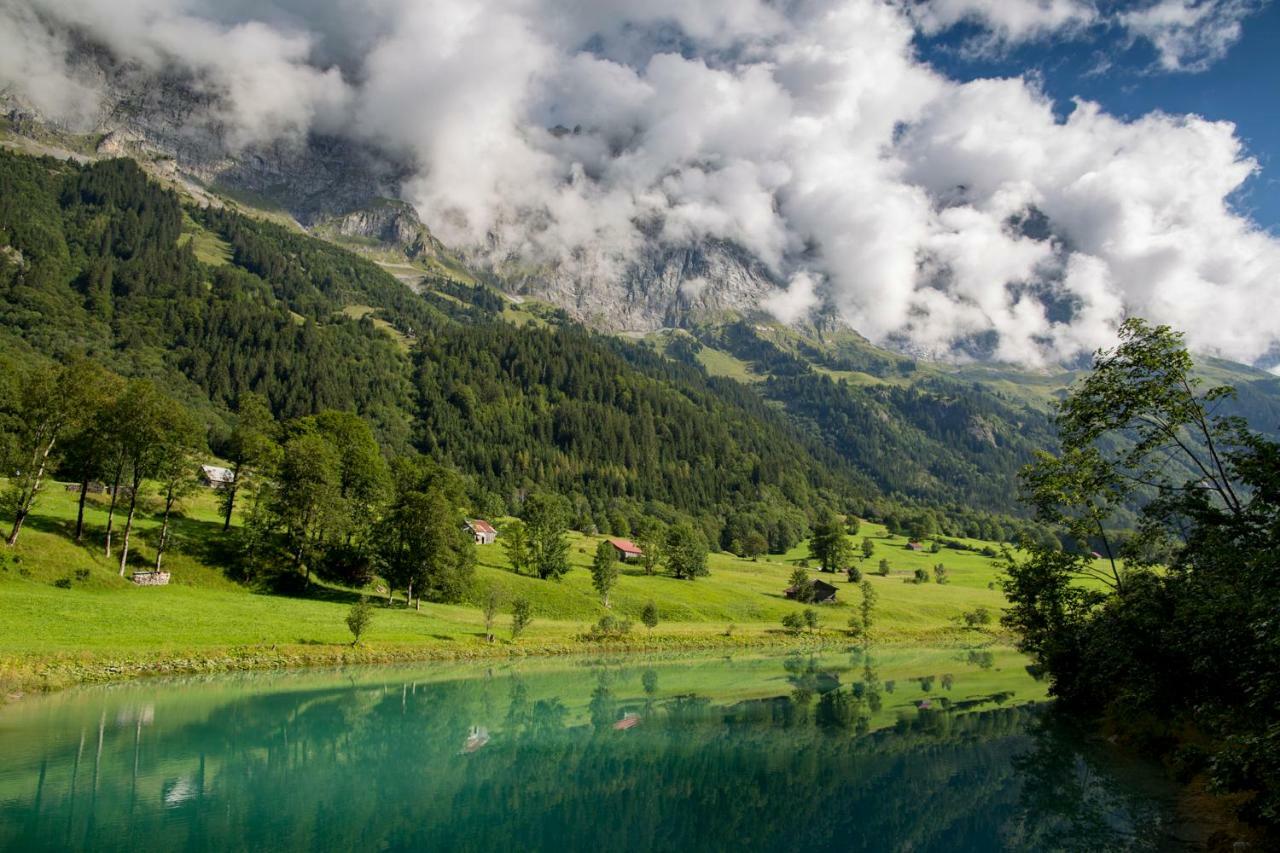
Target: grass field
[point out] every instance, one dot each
(66, 615)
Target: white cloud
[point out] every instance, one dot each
(1007, 21)
(1189, 35)
(793, 304)
(948, 217)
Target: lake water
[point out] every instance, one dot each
(860, 749)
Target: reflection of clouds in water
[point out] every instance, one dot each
(179, 791)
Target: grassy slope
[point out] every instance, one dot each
(104, 625)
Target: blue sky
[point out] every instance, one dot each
(1105, 65)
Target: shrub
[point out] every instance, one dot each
(921, 576)
(521, 616)
(854, 573)
(63, 583)
(609, 627)
(811, 619)
(977, 617)
(940, 574)
(884, 568)
(649, 616)
(359, 617)
(793, 623)
(801, 586)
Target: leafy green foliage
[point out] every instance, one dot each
(359, 618)
(521, 616)
(546, 521)
(604, 571)
(686, 552)
(649, 616)
(830, 544)
(1147, 645)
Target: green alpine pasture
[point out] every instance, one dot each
(66, 614)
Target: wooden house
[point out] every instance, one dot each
(482, 531)
(216, 477)
(626, 550)
(823, 592)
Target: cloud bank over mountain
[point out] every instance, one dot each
(947, 217)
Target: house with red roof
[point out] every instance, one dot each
(483, 532)
(628, 551)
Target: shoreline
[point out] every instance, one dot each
(22, 678)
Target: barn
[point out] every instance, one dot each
(482, 531)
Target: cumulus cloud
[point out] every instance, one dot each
(950, 218)
(1190, 35)
(1006, 21)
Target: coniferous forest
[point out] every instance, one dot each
(101, 263)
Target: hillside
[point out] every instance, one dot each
(70, 617)
(213, 304)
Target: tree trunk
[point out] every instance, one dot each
(84, 491)
(17, 528)
(232, 488)
(25, 504)
(408, 599)
(164, 527)
(115, 497)
(128, 528)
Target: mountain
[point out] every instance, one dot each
(99, 259)
(346, 190)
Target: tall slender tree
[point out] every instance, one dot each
(253, 450)
(51, 404)
(144, 418)
(604, 571)
(176, 469)
(88, 450)
(546, 519)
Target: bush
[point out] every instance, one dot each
(63, 583)
(811, 619)
(609, 627)
(977, 617)
(921, 576)
(649, 616)
(359, 617)
(801, 586)
(521, 616)
(884, 568)
(793, 623)
(940, 574)
(854, 573)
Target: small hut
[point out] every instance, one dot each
(627, 551)
(823, 592)
(482, 531)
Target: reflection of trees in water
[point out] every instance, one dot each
(1080, 796)
(385, 767)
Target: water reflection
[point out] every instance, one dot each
(815, 752)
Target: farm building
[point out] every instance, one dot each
(627, 551)
(215, 477)
(823, 592)
(914, 546)
(482, 531)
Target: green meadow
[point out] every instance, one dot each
(66, 615)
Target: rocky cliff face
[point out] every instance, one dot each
(392, 225)
(663, 286)
(341, 189)
(163, 120)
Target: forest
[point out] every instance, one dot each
(100, 263)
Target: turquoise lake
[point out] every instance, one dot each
(901, 749)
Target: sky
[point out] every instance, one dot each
(1127, 78)
(997, 179)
